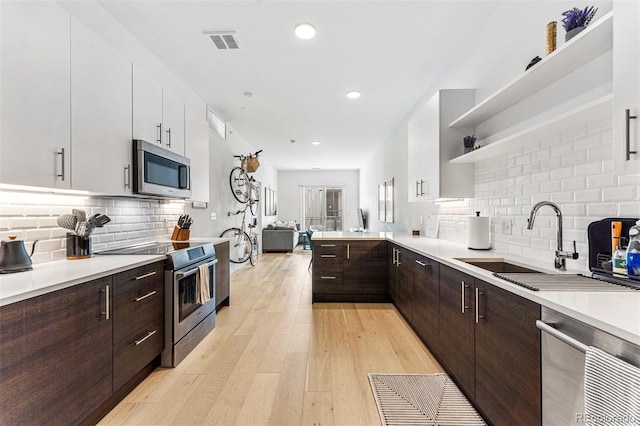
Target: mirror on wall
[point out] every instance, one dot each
(270, 202)
(385, 201)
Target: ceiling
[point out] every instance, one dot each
(390, 51)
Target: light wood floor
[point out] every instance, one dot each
(275, 358)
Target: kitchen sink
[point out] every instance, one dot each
(496, 265)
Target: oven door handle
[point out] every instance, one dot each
(181, 275)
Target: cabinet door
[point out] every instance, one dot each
(222, 274)
(35, 87)
(365, 269)
(426, 295)
(404, 290)
(508, 376)
(100, 114)
(56, 356)
(392, 273)
(457, 342)
(147, 107)
(172, 122)
(626, 85)
(197, 149)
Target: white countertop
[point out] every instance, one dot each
(617, 313)
(59, 274)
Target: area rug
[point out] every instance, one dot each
(421, 399)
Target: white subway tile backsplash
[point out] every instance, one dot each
(574, 170)
(132, 221)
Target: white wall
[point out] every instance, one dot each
(289, 193)
(572, 168)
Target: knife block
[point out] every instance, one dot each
(180, 234)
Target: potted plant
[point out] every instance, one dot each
(468, 143)
(575, 20)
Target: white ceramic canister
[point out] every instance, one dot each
(479, 232)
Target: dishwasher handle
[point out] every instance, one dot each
(561, 336)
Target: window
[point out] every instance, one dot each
(322, 208)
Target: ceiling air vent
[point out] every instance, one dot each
(223, 39)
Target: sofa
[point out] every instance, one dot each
(280, 236)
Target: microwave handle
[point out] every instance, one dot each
(187, 178)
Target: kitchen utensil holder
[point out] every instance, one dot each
(180, 234)
(78, 247)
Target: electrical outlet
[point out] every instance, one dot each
(505, 225)
(213, 216)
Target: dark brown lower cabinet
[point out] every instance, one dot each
(490, 344)
(222, 274)
(508, 370)
(350, 271)
(456, 347)
(425, 274)
(55, 356)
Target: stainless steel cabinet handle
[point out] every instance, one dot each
(169, 138)
(628, 117)
(462, 291)
(398, 258)
(159, 127)
(420, 263)
(106, 302)
(149, 334)
(478, 316)
(151, 293)
(61, 154)
(127, 176)
(328, 255)
(348, 257)
(142, 277)
(327, 278)
(327, 245)
(417, 188)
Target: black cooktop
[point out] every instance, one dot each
(151, 248)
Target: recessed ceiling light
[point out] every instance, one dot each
(353, 94)
(315, 142)
(248, 94)
(305, 31)
(293, 141)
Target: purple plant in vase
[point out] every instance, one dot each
(469, 141)
(576, 20)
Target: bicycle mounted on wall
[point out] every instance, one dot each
(244, 245)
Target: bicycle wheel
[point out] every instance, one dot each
(239, 245)
(253, 208)
(254, 192)
(239, 182)
(254, 250)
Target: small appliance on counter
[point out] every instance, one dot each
(605, 236)
(14, 257)
(478, 237)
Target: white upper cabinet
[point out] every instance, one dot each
(101, 143)
(197, 149)
(158, 115)
(432, 143)
(172, 122)
(35, 87)
(147, 107)
(626, 86)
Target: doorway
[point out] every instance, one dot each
(322, 208)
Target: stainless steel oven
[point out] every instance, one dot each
(188, 318)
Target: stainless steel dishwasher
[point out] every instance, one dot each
(564, 342)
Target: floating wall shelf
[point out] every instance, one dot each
(596, 40)
(582, 115)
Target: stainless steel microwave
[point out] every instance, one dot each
(160, 172)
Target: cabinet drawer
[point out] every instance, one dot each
(137, 302)
(124, 281)
(329, 248)
(328, 282)
(135, 351)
